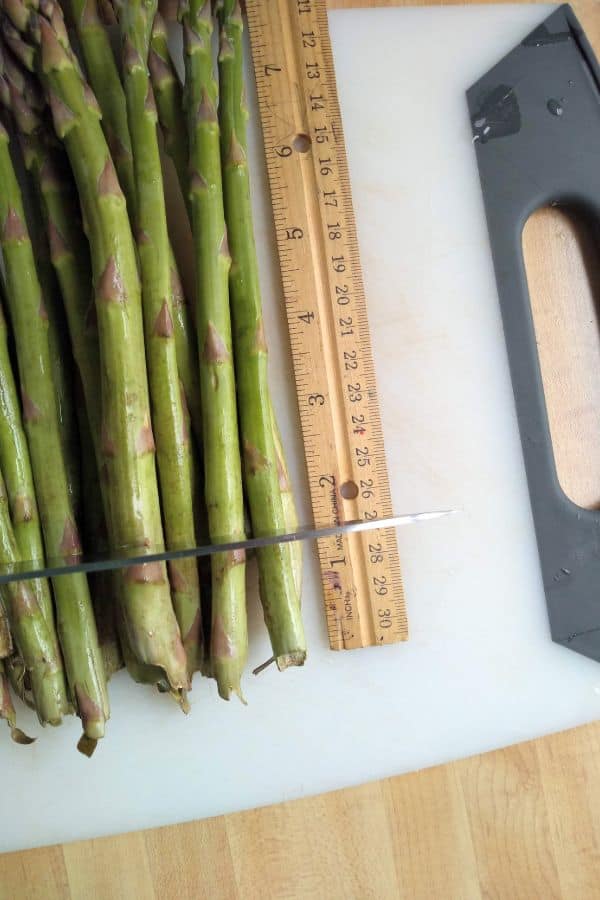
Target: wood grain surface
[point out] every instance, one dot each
(522, 822)
(563, 266)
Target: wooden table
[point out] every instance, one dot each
(517, 823)
(522, 822)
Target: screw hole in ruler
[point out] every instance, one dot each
(301, 143)
(349, 490)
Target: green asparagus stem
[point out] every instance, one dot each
(106, 83)
(145, 674)
(71, 259)
(61, 358)
(46, 159)
(76, 626)
(168, 92)
(14, 666)
(172, 436)
(104, 586)
(290, 513)
(104, 79)
(223, 481)
(16, 465)
(30, 630)
(7, 710)
(6, 644)
(127, 438)
(187, 351)
(19, 95)
(69, 251)
(107, 12)
(262, 463)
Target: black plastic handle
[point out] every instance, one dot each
(536, 130)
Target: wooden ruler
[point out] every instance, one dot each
(327, 318)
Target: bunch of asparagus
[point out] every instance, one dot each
(130, 419)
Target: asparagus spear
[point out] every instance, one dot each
(70, 254)
(290, 513)
(69, 251)
(7, 710)
(104, 585)
(127, 438)
(104, 79)
(76, 626)
(61, 359)
(106, 84)
(20, 95)
(45, 158)
(172, 437)
(168, 92)
(107, 12)
(187, 352)
(223, 481)
(6, 644)
(262, 462)
(104, 588)
(14, 666)
(30, 630)
(16, 466)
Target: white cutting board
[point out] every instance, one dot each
(480, 670)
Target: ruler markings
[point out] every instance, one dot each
(327, 319)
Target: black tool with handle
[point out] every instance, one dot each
(536, 129)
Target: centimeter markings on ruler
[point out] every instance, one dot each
(327, 318)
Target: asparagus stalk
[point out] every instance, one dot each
(104, 585)
(16, 465)
(71, 259)
(69, 250)
(172, 437)
(106, 83)
(223, 481)
(107, 12)
(14, 666)
(30, 630)
(290, 513)
(104, 588)
(45, 159)
(127, 438)
(76, 626)
(20, 95)
(60, 350)
(6, 644)
(168, 92)
(187, 352)
(7, 710)
(262, 462)
(101, 68)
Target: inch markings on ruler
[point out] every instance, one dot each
(327, 318)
